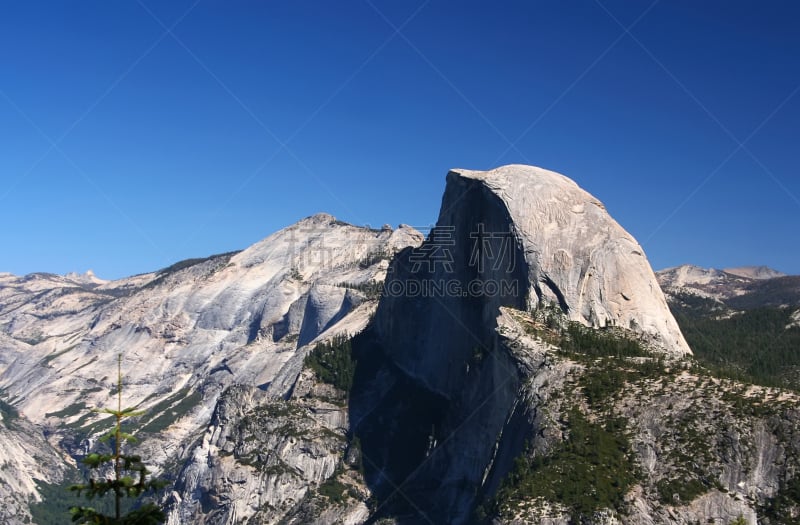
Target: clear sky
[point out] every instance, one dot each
(137, 133)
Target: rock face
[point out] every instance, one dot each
(701, 449)
(261, 458)
(186, 333)
(575, 253)
(518, 237)
(26, 458)
(236, 318)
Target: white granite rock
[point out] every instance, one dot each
(577, 254)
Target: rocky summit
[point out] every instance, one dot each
(187, 333)
(518, 365)
(576, 254)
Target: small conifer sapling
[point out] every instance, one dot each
(130, 475)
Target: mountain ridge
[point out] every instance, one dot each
(186, 332)
(454, 385)
(753, 286)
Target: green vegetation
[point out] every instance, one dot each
(374, 258)
(601, 383)
(593, 467)
(69, 411)
(681, 491)
(371, 289)
(188, 263)
(600, 342)
(769, 292)
(164, 273)
(9, 412)
(696, 306)
(783, 507)
(121, 484)
(294, 273)
(333, 362)
(611, 355)
(57, 498)
(333, 489)
(551, 325)
(50, 357)
(82, 428)
(604, 378)
(590, 470)
(171, 409)
(753, 346)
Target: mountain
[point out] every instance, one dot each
(746, 287)
(519, 365)
(466, 383)
(551, 243)
(186, 334)
(743, 323)
(755, 272)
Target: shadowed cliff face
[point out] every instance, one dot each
(437, 403)
(441, 299)
(435, 387)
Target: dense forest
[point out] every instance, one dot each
(760, 345)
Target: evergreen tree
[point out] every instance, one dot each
(129, 479)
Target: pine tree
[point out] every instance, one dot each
(130, 477)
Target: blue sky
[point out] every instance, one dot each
(135, 134)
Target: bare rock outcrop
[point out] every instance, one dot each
(519, 237)
(577, 255)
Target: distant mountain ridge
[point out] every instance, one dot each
(742, 288)
(755, 272)
(742, 322)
